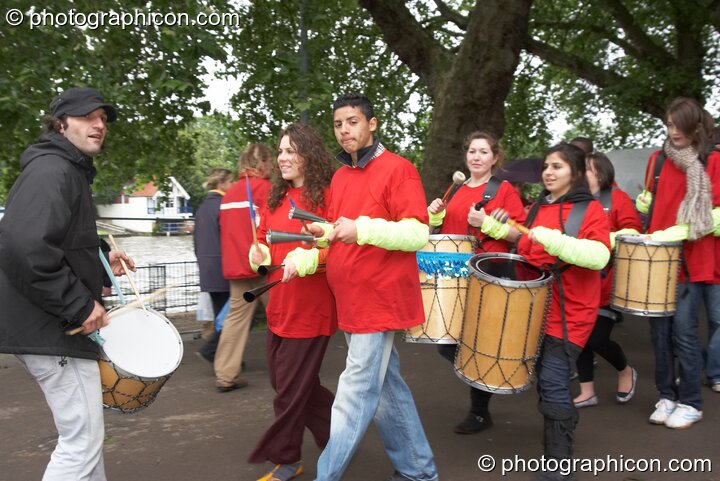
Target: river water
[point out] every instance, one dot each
(147, 250)
(162, 252)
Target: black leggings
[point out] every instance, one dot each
(479, 399)
(601, 344)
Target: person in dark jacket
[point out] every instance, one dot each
(206, 239)
(51, 277)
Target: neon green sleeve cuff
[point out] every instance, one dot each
(266, 262)
(494, 228)
(677, 232)
(586, 253)
(436, 219)
(643, 201)
(407, 235)
(305, 260)
(327, 229)
(716, 221)
(613, 235)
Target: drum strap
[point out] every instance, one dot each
(605, 199)
(112, 277)
(571, 228)
(659, 161)
(491, 188)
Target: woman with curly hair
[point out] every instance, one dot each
(300, 314)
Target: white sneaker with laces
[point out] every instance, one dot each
(663, 409)
(683, 417)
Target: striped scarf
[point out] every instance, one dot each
(695, 209)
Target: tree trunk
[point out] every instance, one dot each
(469, 87)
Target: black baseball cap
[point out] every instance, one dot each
(78, 101)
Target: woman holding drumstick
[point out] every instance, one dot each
(300, 314)
(459, 215)
(623, 220)
(682, 200)
(570, 235)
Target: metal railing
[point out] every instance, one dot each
(182, 277)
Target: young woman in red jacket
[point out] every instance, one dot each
(300, 314)
(459, 215)
(682, 200)
(575, 261)
(236, 224)
(623, 220)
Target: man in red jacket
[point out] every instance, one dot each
(236, 237)
(380, 220)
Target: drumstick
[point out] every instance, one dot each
(458, 178)
(127, 272)
(252, 211)
(519, 226)
(650, 173)
(130, 305)
(505, 219)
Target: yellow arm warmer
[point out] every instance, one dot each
(327, 229)
(586, 253)
(406, 235)
(677, 232)
(305, 260)
(266, 262)
(613, 235)
(436, 219)
(494, 228)
(643, 201)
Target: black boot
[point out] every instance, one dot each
(478, 419)
(558, 437)
(474, 423)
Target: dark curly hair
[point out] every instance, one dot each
(574, 156)
(317, 168)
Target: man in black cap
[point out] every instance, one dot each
(51, 277)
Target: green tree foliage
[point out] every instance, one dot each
(626, 59)
(436, 70)
(216, 143)
(344, 53)
(152, 73)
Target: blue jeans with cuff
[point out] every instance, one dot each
(371, 388)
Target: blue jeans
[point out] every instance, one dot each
(679, 335)
(711, 298)
(371, 387)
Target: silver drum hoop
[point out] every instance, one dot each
(474, 270)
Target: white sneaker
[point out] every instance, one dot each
(663, 409)
(715, 386)
(683, 417)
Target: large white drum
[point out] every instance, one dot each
(141, 351)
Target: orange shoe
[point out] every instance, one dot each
(284, 472)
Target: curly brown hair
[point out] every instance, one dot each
(317, 168)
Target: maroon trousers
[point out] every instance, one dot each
(300, 400)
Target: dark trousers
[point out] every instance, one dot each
(300, 400)
(601, 344)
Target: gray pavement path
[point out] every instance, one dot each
(194, 433)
